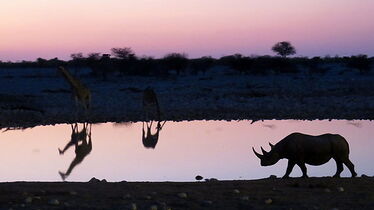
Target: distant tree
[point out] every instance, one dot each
(284, 49)
(94, 56)
(124, 53)
(202, 64)
(360, 62)
(176, 61)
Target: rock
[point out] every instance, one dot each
(198, 177)
(133, 206)
(268, 201)
(148, 197)
(364, 176)
(73, 193)
(207, 203)
(153, 207)
(245, 198)
(94, 180)
(340, 189)
(182, 195)
(236, 191)
(103, 181)
(28, 200)
(127, 196)
(54, 202)
(327, 190)
(272, 177)
(211, 180)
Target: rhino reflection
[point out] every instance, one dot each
(150, 140)
(83, 146)
(301, 149)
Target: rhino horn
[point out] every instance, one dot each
(263, 151)
(256, 153)
(271, 145)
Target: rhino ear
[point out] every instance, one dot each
(271, 145)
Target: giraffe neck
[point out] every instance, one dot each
(70, 79)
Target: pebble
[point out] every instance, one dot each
(148, 197)
(272, 177)
(236, 191)
(182, 195)
(153, 207)
(246, 198)
(198, 177)
(207, 203)
(54, 202)
(28, 200)
(327, 190)
(364, 176)
(127, 196)
(340, 189)
(73, 193)
(268, 201)
(94, 180)
(133, 206)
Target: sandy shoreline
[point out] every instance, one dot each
(294, 193)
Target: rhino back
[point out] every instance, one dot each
(314, 150)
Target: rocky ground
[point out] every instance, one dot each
(294, 193)
(41, 96)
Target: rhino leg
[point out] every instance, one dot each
(339, 168)
(350, 166)
(303, 169)
(290, 166)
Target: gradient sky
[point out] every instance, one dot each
(45, 28)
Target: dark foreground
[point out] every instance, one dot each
(313, 193)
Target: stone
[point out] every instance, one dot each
(73, 193)
(236, 191)
(153, 207)
(327, 190)
(133, 206)
(207, 203)
(94, 180)
(28, 200)
(182, 195)
(198, 177)
(127, 196)
(340, 189)
(268, 201)
(272, 177)
(244, 198)
(54, 202)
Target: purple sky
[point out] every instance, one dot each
(41, 28)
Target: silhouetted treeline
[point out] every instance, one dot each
(123, 61)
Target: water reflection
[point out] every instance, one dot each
(150, 140)
(218, 149)
(83, 147)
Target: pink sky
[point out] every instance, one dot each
(42, 28)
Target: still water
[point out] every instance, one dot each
(212, 149)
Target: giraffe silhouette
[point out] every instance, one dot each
(80, 92)
(83, 147)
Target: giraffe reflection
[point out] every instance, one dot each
(151, 110)
(83, 146)
(150, 140)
